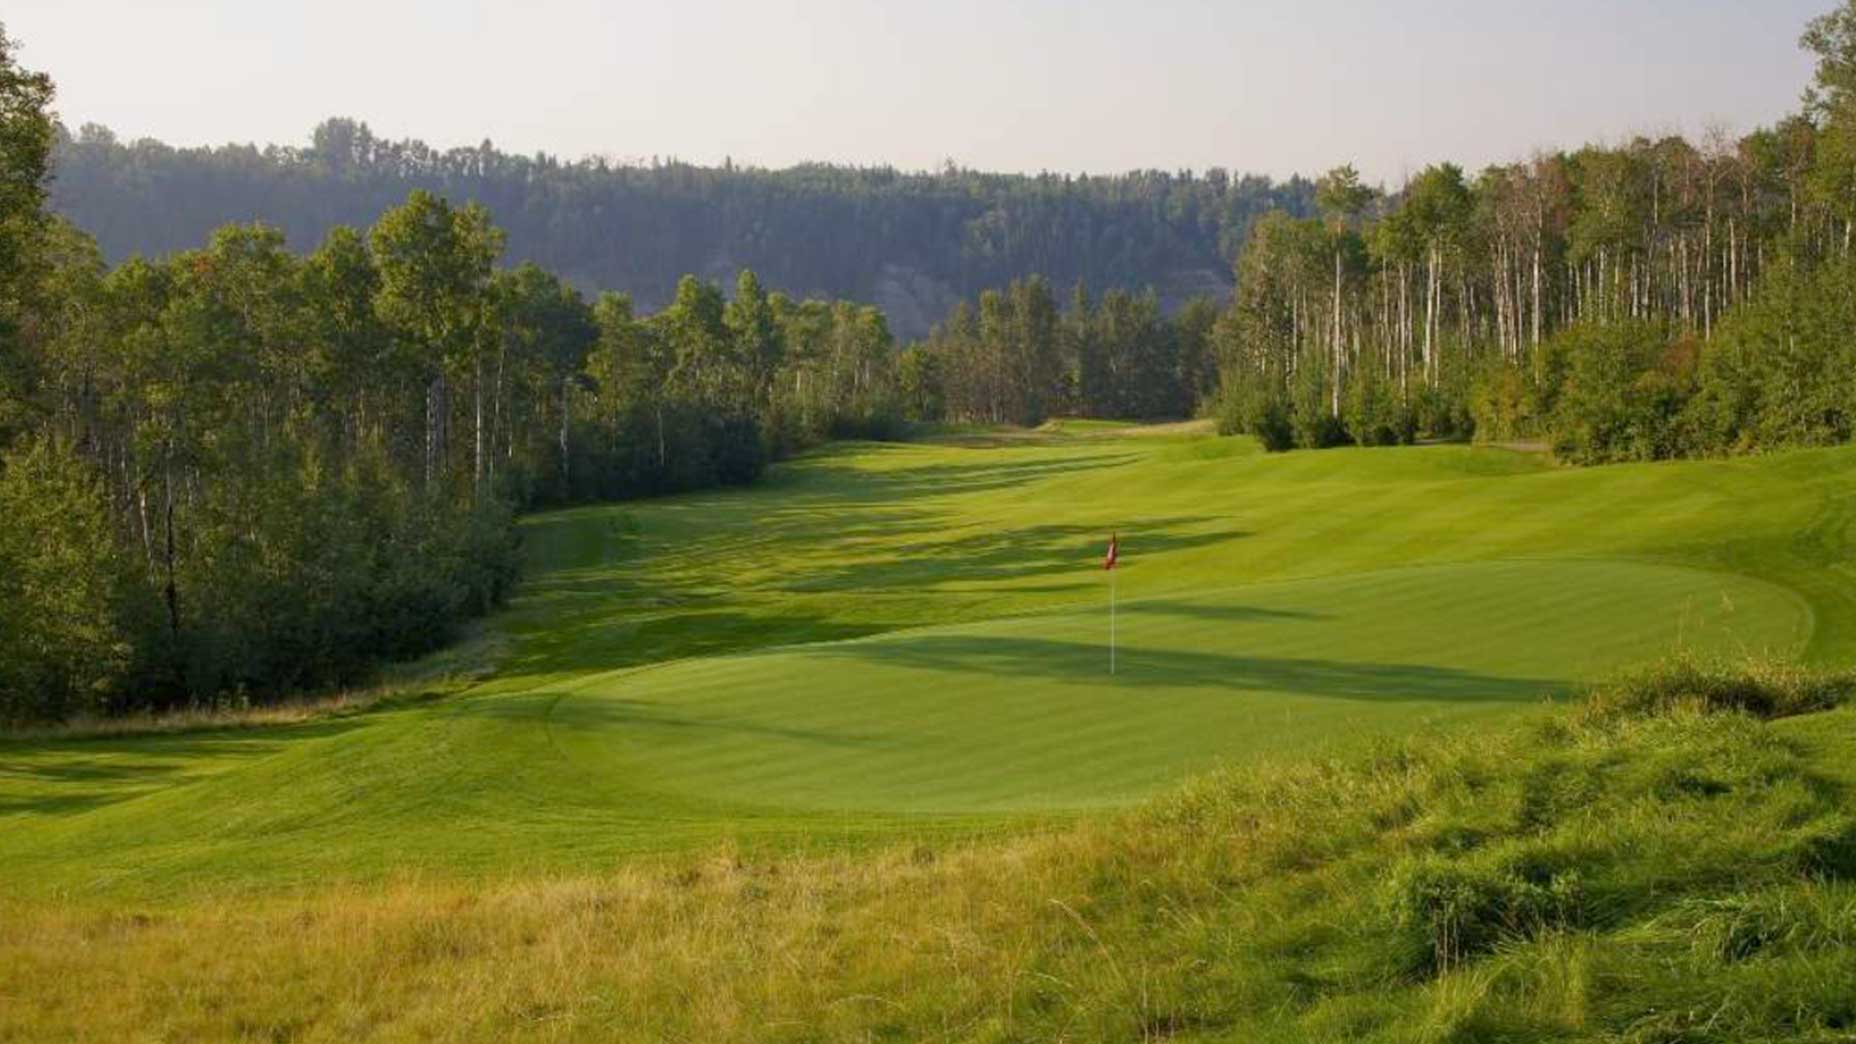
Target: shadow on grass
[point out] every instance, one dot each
(637, 714)
(618, 640)
(1012, 554)
(1138, 668)
(64, 776)
(1209, 611)
(822, 475)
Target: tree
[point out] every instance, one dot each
(1341, 198)
(434, 263)
(1195, 352)
(1438, 203)
(25, 148)
(756, 334)
(541, 334)
(918, 378)
(25, 151)
(1831, 101)
(66, 639)
(350, 350)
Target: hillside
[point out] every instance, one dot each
(911, 243)
(839, 757)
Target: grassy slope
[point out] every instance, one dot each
(1273, 603)
(1606, 875)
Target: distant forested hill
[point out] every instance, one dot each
(912, 243)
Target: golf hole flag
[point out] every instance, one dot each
(1108, 563)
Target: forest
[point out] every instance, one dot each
(912, 242)
(237, 471)
(1660, 298)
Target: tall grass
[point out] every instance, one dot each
(1659, 863)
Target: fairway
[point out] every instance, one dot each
(897, 641)
(1022, 713)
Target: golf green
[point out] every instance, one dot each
(1023, 713)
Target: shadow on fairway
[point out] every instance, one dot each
(1012, 554)
(637, 714)
(620, 637)
(833, 481)
(1209, 611)
(92, 772)
(1079, 663)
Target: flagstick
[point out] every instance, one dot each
(1111, 622)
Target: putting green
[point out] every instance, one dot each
(1022, 713)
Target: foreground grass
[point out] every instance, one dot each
(1663, 862)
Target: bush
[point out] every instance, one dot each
(1779, 370)
(1314, 422)
(319, 577)
(1503, 405)
(71, 612)
(1446, 911)
(1374, 415)
(1762, 689)
(1625, 390)
(1254, 404)
(1441, 412)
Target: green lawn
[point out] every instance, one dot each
(907, 640)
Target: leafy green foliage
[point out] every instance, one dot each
(1652, 299)
(1259, 407)
(73, 608)
(1622, 395)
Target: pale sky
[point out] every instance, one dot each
(1271, 86)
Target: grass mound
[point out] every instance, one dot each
(1763, 688)
(1653, 865)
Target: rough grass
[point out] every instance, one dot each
(1652, 865)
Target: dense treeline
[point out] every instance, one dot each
(1015, 357)
(237, 470)
(1654, 299)
(909, 241)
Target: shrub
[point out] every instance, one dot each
(1374, 415)
(69, 608)
(1505, 404)
(1762, 689)
(1625, 390)
(1254, 404)
(1778, 371)
(1313, 417)
(1445, 911)
(1805, 918)
(1441, 412)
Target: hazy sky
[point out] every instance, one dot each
(1274, 86)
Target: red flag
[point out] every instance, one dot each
(1113, 553)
